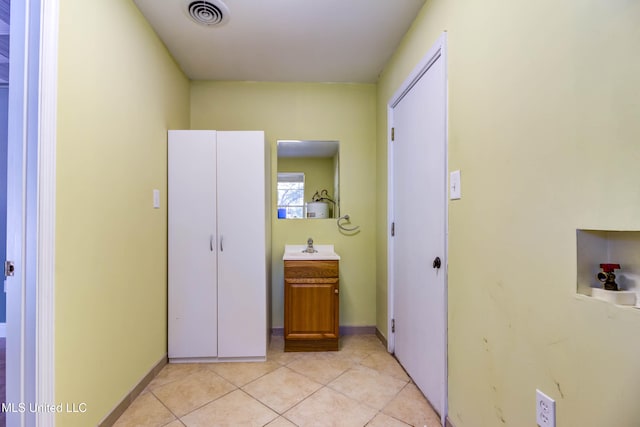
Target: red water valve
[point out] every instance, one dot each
(608, 268)
(608, 277)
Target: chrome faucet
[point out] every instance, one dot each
(310, 249)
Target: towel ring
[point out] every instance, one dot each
(342, 227)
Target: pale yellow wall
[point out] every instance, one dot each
(544, 125)
(118, 93)
(344, 112)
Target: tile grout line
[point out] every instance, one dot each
(199, 407)
(378, 411)
(288, 409)
(310, 366)
(327, 386)
(263, 404)
(168, 409)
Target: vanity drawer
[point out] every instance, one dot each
(312, 269)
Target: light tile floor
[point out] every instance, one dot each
(359, 385)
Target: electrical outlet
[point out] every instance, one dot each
(545, 410)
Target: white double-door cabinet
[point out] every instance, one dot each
(218, 245)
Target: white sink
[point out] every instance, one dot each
(295, 253)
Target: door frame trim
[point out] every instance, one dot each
(46, 241)
(33, 109)
(437, 51)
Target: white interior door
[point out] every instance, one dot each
(419, 217)
(192, 238)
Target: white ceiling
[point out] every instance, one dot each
(285, 40)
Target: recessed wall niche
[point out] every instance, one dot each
(595, 247)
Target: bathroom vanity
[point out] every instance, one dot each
(311, 299)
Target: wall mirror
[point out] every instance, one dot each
(308, 179)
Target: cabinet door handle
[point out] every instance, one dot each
(221, 246)
(211, 242)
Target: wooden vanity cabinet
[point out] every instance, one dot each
(311, 305)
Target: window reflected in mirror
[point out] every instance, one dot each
(290, 195)
(308, 179)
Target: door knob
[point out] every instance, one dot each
(437, 263)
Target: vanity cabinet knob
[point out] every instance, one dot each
(335, 291)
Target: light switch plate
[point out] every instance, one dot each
(156, 199)
(454, 185)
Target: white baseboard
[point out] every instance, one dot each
(3, 330)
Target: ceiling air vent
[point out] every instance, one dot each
(207, 12)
